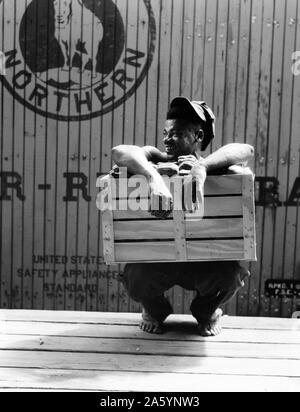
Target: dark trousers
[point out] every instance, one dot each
(215, 283)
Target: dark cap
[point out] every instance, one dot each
(203, 112)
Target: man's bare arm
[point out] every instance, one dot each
(231, 154)
(137, 161)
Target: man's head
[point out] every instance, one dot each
(189, 127)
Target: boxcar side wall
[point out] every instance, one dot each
(63, 109)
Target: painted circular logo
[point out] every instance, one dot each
(76, 59)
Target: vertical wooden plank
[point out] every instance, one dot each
(82, 291)
(8, 40)
(280, 241)
(59, 292)
(18, 204)
(60, 295)
(79, 215)
(10, 159)
(233, 38)
(131, 41)
(72, 167)
(93, 225)
(262, 139)
(152, 86)
(291, 258)
(10, 211)
(271, 160)
(198, 50)
(108, 230)
(179, 229)
(175, 48)
(220, 71)
(241, 107)
(28, 179)
(249, 216)
(94, 222)
(209, 51)
(49, 197)
(40, 167)
(188, 39)
(104, 125)
(251, 131)
(179, 233)
(263, 135)
(142, 41)
(163, 49)
(230, 91)
(242, 70)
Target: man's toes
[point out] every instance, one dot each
(207, 332)
(216, 330)
(144, 326)
(204, 331)
(150, 327)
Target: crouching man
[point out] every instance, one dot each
(188, 130)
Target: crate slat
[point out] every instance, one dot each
(200, 250)
(213, 206)
(214, 185)
(179, 231)
(232, 249)
(248, 213)
(147, 252)
(163, 229)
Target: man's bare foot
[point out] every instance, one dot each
(212, 326)
(149, 324)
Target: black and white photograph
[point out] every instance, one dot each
(149, 198)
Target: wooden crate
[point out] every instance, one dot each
(226, 231)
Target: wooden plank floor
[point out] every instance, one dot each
(47, 350)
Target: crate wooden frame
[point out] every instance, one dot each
(226, 231)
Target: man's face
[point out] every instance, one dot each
(179, 138)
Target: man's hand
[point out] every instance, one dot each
(187, 162)
(194, 188)
(199, 170)
(161, 199)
